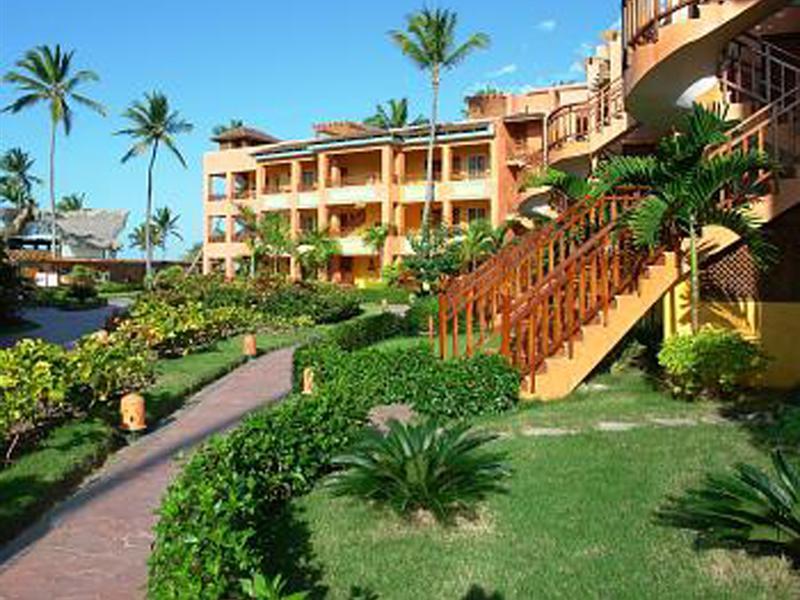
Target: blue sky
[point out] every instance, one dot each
(277, 65)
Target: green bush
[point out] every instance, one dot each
(418, 313)
(325, 303)
(82, 286)
(375, 293)
(118, 287)
(13, 292)
(62, 297)
(441, 470)
(34, 383)
(709, 363)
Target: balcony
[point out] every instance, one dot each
(353, 245)
(354, 189)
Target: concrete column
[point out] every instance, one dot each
(206, 260)
(294, 212)
(229, 270)
(444, 187)
(388, 184)
(229, 185)
(496, 211)
(260, 179)
(322, 184)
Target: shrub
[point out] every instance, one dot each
(104, 368)
(261, 588)
(325, 303)
(63, 298)
(421, 467)
(33, 385)
(417, 315)
(748, 507)
(711, 362)
(375, 293)
(12, 289)
(82, 285)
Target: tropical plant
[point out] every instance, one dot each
(573, 187)
(393, 115)
(748, 507)
(433, 257)
(429, 40)
(72, 202)
(16, 165)
(486, 90)
(138, 237)
(413, 467)
(166, 224)
(224, 127)
(153, 123)
(12, 288)
(685, 191)
(46, 75)
(375, 238)
(266, 234)
(82, 283)
(259, 587)
(477, 242)
(314, 250)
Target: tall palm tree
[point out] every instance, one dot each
(46, 74)
(685, 190)
(72, 202)
(166, 223)
(393, 115)
(375, 237)
(429, 41)
(223, 127)
(16, 164)
(153, 123)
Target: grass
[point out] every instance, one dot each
(578, 520)
(38, 479)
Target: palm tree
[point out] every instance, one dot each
(429, 41)
(45, 74)
(685, 190)
(267, 234)
(375, 237)
(138, 237)
(232, 124)
(16, 164)
(153, 123)
(14, 192)
(315, 249)
(166, 223)
(72, 202)
(476, 243)
(393, 116)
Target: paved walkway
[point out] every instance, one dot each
(95, 545)
(64, 326)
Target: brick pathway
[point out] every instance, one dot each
(96, 544)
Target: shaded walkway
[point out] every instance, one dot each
(96, 544)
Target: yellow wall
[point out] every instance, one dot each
(775, 325)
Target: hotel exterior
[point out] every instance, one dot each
(740, 54)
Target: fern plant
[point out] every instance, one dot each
(748, 507)
(442, 470)
(259, 587)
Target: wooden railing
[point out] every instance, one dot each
(497, 286)
(754, 70)
(642, 19)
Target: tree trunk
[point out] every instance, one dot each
(430, 186)
(253, 264)
(53, 239)
(694, 277)
(148, 236)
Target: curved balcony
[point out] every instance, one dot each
(670, 45)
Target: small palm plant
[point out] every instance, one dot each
(393, 116)
(165, 223)
(375, 237)
(442, 470)
(314, 251)
(748, 507)
(72, 202)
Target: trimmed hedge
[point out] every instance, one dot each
(216, 517)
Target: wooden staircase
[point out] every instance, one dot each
(560, 298)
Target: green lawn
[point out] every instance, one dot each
(38, 479)
(578, 521)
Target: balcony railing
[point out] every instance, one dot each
(216, 237)
(245, 194)
(276, 189)
(568, 123)
(470, 175)
(355, 180)
(642, 19)
(216, 197)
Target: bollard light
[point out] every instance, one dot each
(249, 348)
(131, 408)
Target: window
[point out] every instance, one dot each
(309, 179)
(476, 166)
(308, 222)
(216, 229)
(475, 214)
(456, 217)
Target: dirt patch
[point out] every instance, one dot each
(735, 568)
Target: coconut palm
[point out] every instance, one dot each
(166, 223)
(138, 238)
(267, 234)
(46, 75)
(748, 507)
(232, 124)
(685, 190)
(153, 123)
(476, 243)
(72, 202)
(429, 41)
(375, 238)
(16, 164)
(315, 249)
(14, 193)
(394, 115)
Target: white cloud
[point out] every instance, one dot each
(504, 70)
(547, 25)
(576, 67)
